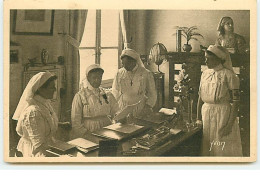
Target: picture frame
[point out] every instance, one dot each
(33, 22)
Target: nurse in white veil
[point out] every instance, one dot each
(37, 121)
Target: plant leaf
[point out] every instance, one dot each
(196, 34)
(184, 29)
(192, 28)
(193, 38)
(184, 35)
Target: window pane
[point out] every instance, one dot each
(87, 57)
(109, 28)
(89, 36)
(109, 62)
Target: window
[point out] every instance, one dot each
(100, 42)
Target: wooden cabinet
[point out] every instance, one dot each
(242, 64)
(194, 62)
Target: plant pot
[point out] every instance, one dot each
(187, 47)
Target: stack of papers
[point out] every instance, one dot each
(124, 128)
(109, 134)
(127, 110)
(167, 111)
(84, 144)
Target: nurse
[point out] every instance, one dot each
(37, 122)
(134, 83)
(221, 133)
(92, 106)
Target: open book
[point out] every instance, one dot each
(124, 112)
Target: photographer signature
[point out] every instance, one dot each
(217, 143)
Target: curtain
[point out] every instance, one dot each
(76, 24)
(126, 26)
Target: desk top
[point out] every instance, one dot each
(126, 145)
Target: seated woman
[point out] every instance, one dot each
(221, 133)
(228, 39)
(92, 105)
(37, 121)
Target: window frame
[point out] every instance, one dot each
(108, 82)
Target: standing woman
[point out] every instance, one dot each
(92, 105)
(221, 134)
(134, 83)
(228, 39)
(37, 121)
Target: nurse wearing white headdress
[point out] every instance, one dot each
(92, 104)
(37, 121)
(134, 83)
(221, 133)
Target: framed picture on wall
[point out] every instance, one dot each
(33, 22)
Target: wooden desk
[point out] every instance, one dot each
(182, 144)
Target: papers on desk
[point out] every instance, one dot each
(167, 111)
(119, 131)
(83, 144)
(175, 131)
(127, 110)
(124, 128)
(109, 134)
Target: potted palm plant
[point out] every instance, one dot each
(189, 33)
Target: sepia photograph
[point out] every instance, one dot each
(121, 83)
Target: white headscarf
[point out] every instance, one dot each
(85, 83)
(132, 53)
(33, 85)
(222, 53)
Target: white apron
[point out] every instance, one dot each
(214, 92)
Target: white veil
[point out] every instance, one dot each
(132, 53)
(33, 85)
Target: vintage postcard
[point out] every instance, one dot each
(184, 70)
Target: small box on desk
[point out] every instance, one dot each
(108, 147)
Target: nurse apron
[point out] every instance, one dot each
(214, 91)
(132, 93)
(95, 111)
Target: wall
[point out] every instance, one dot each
(159, 28)
(31, 46)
